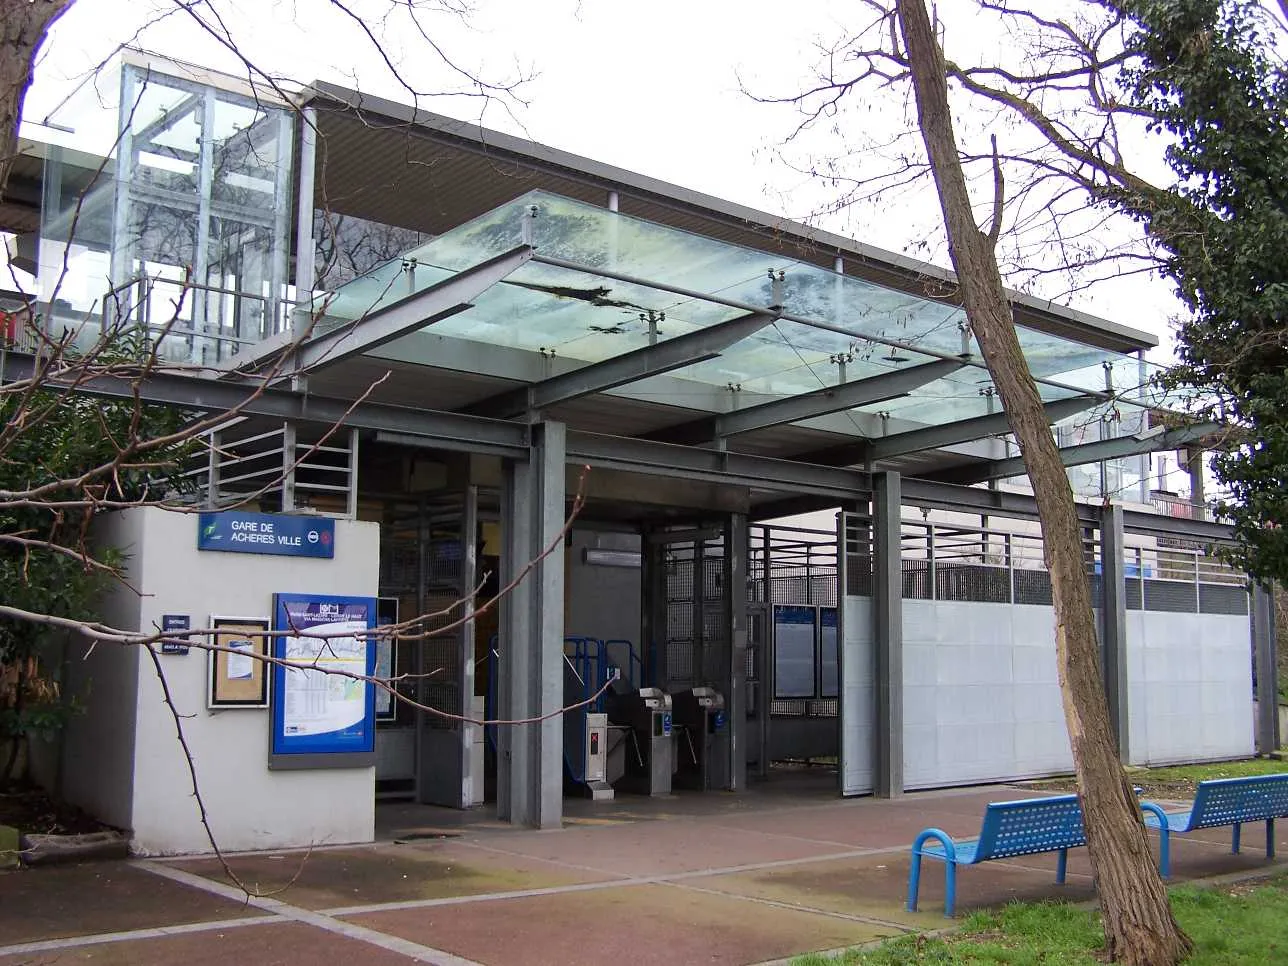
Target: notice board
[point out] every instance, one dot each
(323, 716)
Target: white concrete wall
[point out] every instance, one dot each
(858, 697)
(1189, 687)
(249, 806)
(981, 696)
(98, 742)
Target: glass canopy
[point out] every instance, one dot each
(622, 283)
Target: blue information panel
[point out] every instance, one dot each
(829, 671)
(315, 712)
(794, 651)
(233, 531)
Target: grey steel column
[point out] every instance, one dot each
(698, 654)
(1263, 642)
(511, 669)
(124, 236)
(735, 601)
(546, 615)
(887, 616)
(764, 671)
(465, 680)
(305, 243)
(1113, 625)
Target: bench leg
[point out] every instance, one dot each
(1165, 851)
(1234, 845)
(914, 880)
(1270, 838)
(1061, 865)
(950, 889)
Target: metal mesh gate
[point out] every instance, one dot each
(421, 558)
(697, 630)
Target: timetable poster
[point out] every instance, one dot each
(321, 705)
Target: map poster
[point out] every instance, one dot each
(321, 706)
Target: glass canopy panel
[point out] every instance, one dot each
(790, 358)
(964, 394)
(866, 310)
(581, 314)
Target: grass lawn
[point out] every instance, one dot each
(1230, 926)
(1179, 781)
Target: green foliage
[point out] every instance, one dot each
(1240, 926)
(1210, 79)
(90, 454)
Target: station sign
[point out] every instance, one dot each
(285, 535)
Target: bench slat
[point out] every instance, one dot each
(1029, 826)
(1225, 801)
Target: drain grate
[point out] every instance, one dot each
(422, 836)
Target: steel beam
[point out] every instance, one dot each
(373, 329)
(1097, 452)
(1113, 625)
(451, 431)
(789, 506)
(664, 459)
(887, 620)
(968, 430)
(821, 402)
(651, 360)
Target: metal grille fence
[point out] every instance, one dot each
(962, 563)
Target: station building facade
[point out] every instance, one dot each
(465, 365)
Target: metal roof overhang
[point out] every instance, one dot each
(399, 165)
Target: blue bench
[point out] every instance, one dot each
(1223, 801)
(1016, 828)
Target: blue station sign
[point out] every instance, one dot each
(233, 531)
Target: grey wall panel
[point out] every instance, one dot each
(1189, 686)
(858, 698)
(603, 601)
(981, 693)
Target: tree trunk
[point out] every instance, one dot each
(23, 25)
(1138, 922)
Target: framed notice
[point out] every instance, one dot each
(324, 713)
(238, 674)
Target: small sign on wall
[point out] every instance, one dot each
(284, 535)
(175, 624)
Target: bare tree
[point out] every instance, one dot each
(1139, 926)
(23, 27)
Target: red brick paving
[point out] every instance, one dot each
(387, 873)
(82, 900)
(288, 944)
(640, 925)
(810, 894)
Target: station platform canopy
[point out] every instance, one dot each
(615, 324)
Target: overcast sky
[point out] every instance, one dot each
(654, 87)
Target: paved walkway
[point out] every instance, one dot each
(717, 879)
